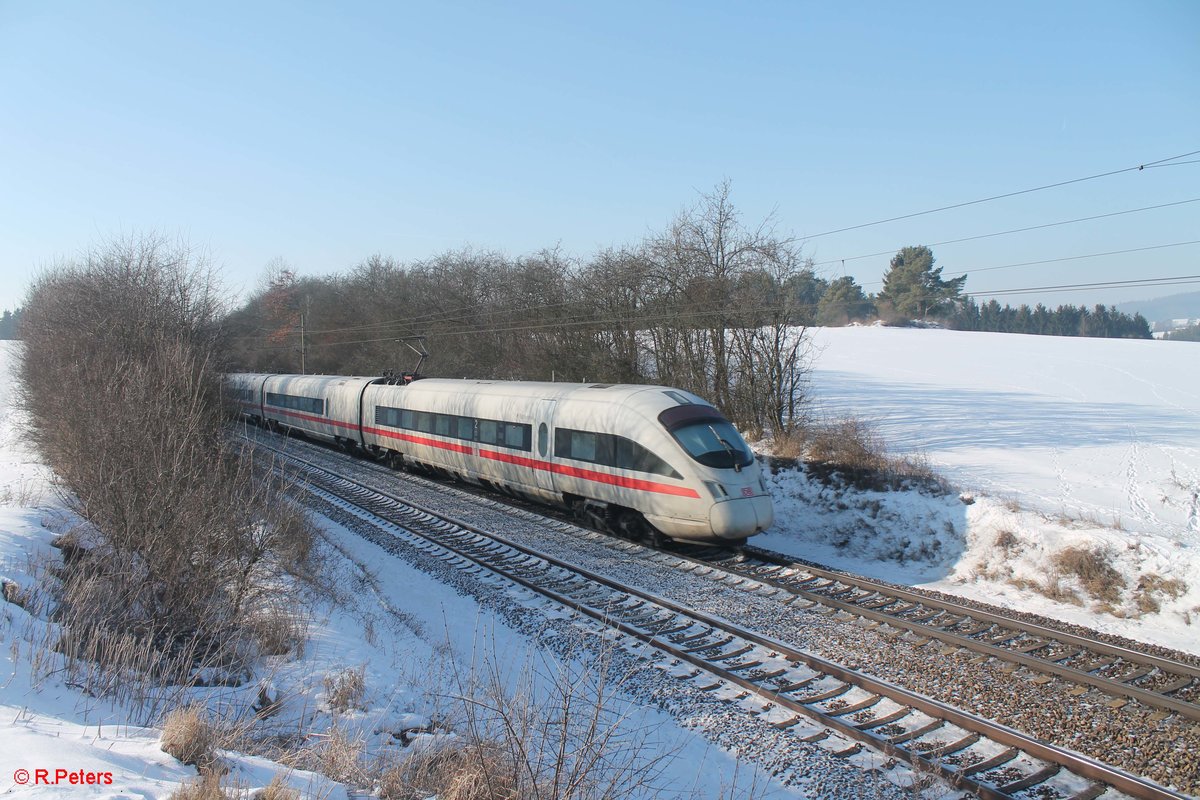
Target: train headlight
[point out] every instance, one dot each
(716, 490)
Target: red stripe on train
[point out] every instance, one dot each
(591, 475)
(458, 448)
(508, 458)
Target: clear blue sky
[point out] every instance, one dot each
(323, 133)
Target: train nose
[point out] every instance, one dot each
(742, 517)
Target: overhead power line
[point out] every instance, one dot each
(1015, 230)
(1075, 258)
(1162, 162)
(1134, 284)
(673, 314)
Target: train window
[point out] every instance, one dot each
(631, 455)
(503, 434)
(609, 450)
(516, 436)
(583, 446)
(313, 405)
(714, 443)
(543, 439)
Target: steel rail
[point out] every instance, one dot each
(1111, 686)
(1108, 685)
(1077, 764)
(1127, 654)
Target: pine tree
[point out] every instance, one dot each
(914, 289)
(843, 301)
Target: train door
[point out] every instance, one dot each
(543, 442)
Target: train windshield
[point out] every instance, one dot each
(714, 443)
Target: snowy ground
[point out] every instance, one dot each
(1054, 443)
(416, 641)
(1060, 442)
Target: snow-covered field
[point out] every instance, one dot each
(1050, 443)
(1060, 442)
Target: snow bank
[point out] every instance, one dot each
(1059, 443)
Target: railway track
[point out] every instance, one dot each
(815, 699)
(1165, 684)
(1168, 685)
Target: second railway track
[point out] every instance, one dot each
(816, 697)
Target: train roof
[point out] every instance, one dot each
(545, 390)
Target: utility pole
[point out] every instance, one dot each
(303, 346)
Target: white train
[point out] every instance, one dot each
(643, 461)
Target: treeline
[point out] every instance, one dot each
(710, 305)
(9, 322)
(186, 547)
(1065, 320)
(1189, 334)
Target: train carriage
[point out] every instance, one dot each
(643, 460)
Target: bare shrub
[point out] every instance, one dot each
(345, 690)
(552, 736)
(789, 446)
(1094, 570)
(852, 449)
(189, 736)
(850, 443)
(191, 541)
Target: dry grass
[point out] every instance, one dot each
(1152, 587)
(345, 690)
(189, 736)
(1093, 568)
(206, 787)
(277, 630)
(852, 451)
(461, 771)
(340, 756)
(13, 594)
(1008, 542)
(277, 789)
(790, 446)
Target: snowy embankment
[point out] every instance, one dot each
(1052, 444)
(412, 643)
(1059, 446)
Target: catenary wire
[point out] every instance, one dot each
(1136, 168)
(1013, 230)
(674, 309)
(674, 315)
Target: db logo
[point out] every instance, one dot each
(747, 491)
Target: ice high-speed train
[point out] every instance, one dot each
(643, 461)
